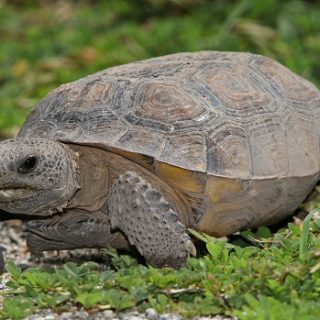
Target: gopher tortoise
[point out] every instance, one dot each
(132, 155)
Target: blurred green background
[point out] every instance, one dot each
(46, 43)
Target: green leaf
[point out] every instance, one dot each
(264, 232)
(122, 262)
(73, 270)
(140, 294)
(54, 300)
(89, 299)
(118, 299)
(41, 279)
(107, 275)
(201, 236)
(294, 229)
(216, 248)
(67, 280)
(304, 241)
(14, 271)
(17, 307)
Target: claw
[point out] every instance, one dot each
(191, 248)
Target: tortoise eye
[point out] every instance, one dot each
(28, 164)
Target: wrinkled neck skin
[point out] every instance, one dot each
(37, 176)
(99, 168)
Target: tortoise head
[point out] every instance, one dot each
(37, 176)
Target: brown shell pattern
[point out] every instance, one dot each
(236, 115)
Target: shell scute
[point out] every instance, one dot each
(188, 149)
(164, 106)
(229, 151)
(239, 91)
(302, 145)
(268, 140)
(243, 115)
(299, 93)
(135, 139)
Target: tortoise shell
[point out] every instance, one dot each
(235, 133)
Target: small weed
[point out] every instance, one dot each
(17, 307)
(269, 281)
(305, 236)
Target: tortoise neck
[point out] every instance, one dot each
(99, 168)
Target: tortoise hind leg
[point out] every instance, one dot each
(148, 221)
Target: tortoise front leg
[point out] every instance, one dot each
(148, 221)
(70, 230)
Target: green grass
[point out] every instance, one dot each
(269, 280)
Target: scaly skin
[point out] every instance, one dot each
(69, 230)
(37, 176)
(41, 178)
(148, 221)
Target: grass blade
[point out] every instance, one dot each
(304, 240)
